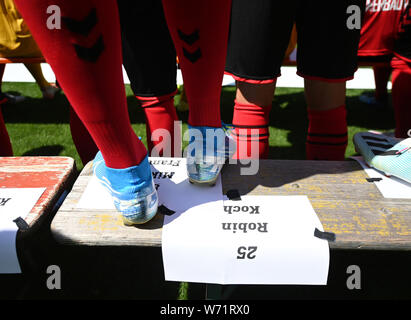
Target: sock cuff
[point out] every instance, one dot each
(330, 113)
(250, 115)
(250, 105)
(155, 100)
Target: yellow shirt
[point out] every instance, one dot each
(15, 37)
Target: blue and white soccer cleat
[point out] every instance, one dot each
(208, 150)
(389, 155)
(132, 189)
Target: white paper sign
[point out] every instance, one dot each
(14, 203)
(390, 187)
(258, 240)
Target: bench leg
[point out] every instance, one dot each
(214, 292)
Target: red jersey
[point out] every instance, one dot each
(402, 46)
(380, 26)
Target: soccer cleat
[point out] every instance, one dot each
(132, 189)
(371, 100)
(207, 152)
(389, 155)
(50, 92)
(7, 98)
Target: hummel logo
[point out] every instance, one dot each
(84, 26)
(192, 57)
(92, 53)
(189, 38)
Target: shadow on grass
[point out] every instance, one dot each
(56, 111)
(52, 150)
(288, 114)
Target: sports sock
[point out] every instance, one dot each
(6, 149)
(381, 76)
(251, 130)
(401, 97)
(85, 55)
(85, 145)
(161, 114)
(199, 30)
(327, 134)
(3, 98)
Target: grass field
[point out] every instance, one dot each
(40, 127)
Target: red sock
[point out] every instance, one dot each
(6, 149)
(85, 55)
(161, 114)
(85, 145)
(381, 77)
(327, 134)
(200, 33)
(251, 130)
(401, 97)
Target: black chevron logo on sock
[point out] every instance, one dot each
(189, 38)
(84, 26)
(90, 54)
(194, 56)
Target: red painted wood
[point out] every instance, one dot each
(21, 60)
(51, 173)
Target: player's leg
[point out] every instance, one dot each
(401, 97)
(48, 90)
(381, 76)
(259, 36)
(6, 149)
(252, 108)
(327, 135)
(85, 55)
(152, 72)
(85, 145)
(2, 97)
(382, 73)
(401, 76)
(199, 30)
(322, 30)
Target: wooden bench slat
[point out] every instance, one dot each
(22, 60)
(53, 173)
(344, 201)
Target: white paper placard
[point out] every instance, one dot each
(390, 187)
(203, 241)
(258, 240)
(14, 203)
(95, 196)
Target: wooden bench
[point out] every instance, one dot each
(22, 60)
(346, 203)
(57, 175)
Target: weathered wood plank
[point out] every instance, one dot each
(344, 201)
(53, 173)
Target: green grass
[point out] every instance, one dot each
(40, 127)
